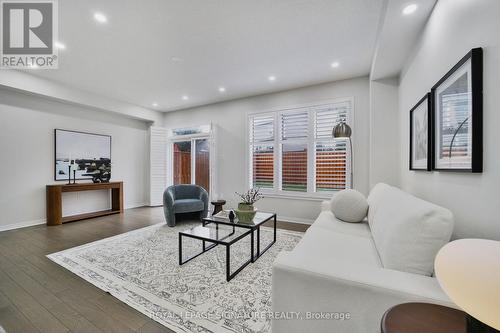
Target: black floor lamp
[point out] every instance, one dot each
(342, 130)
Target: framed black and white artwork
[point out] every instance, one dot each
(84, 152)
(420, 143)
(457, 107)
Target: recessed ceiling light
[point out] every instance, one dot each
(155, 104)
(335, 64)
(100, 17)
(272, 78)
(410, 9)
(60, 46)
(185, 98)
(222, 89)
(176, 59)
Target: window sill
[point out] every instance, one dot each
(299, 196)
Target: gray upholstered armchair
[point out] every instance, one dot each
(184, 199)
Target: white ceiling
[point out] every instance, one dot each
(237, 44)
(398, 36)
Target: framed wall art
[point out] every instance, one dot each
(457, 116)
(420, 138)
(84, 152)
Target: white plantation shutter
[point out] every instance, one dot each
(294, 125)
(327, 116)
(331, 165)
(331, 156)
(262, 151)
(262, 129)
(158, 165)
(213, 162)
(263, 166)
(294, 131)
(293, 150)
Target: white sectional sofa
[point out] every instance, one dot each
(359, 270)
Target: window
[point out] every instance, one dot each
(262, 151)
(331, 156)
(292, 151)
(294, 133)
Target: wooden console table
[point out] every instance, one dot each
(54, 201)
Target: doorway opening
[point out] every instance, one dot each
(191, 162)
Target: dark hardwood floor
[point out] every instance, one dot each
(37, 295)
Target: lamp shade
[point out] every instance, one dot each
(342, 130)
(469, 272)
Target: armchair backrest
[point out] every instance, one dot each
(187, 191)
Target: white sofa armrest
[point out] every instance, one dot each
(326, 206)
(362, 293)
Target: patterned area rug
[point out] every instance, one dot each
(141, 269)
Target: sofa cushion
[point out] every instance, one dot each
(323, 247)
(374, 198)
(328, 221)
(349, 206)
(407, 231)
(188, 205)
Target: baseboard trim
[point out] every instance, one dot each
(25, 224)
(136, 205)
(294, 220)
(20, 225)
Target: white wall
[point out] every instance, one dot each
(230, 118)
(384, 132)
(455, 27)
(27, 125)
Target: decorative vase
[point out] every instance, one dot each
(245, 212)
(245, 206)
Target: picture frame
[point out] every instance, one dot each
(420, 135)
(87, 151)
(457, 116)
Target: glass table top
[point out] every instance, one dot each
(218, 232)
(259, 218)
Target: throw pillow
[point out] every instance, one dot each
(349, 206)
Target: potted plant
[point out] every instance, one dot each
(246, 211)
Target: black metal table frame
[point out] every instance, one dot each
(229, 275)
(253, 229)
(251, 232)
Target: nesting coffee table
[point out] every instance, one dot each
(220, 231)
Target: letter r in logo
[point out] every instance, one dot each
(27, 27)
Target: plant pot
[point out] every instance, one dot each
(245, 207)
(245, 216)
(245, 212)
